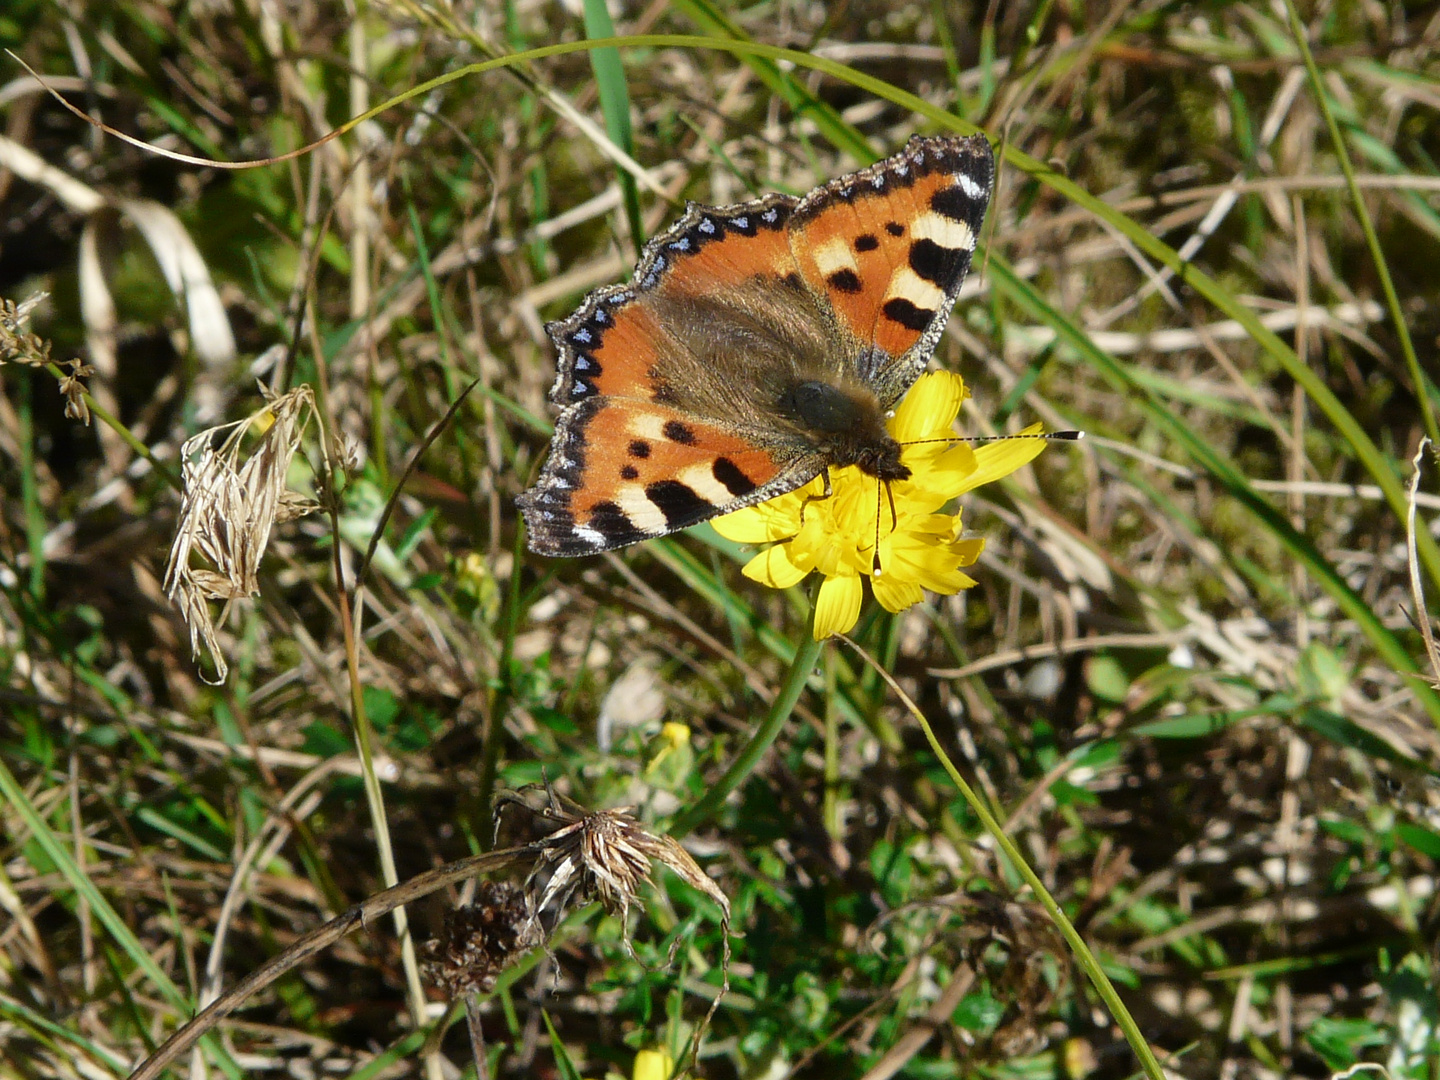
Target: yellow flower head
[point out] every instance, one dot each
(652, 1065)
(919, 549)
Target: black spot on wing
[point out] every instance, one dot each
(639, 448)
(953, 203)
(675, 431)
(678, 502)
(611, 522)
(894, 228)
(935, 263)
(845, 281)
(732, 477)
(866, 242)
(794, 280)
(907, 314)
(629, 472)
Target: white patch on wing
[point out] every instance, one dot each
(643, 514)
(910, 285)
(970, 187)
(835, 255)
(701, 480)
(593, 537)
(646, 425)
(947, 232)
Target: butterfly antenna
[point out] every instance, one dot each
(1048, 436)
(894, 520)
(875, 558)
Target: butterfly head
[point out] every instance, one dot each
(847, 426)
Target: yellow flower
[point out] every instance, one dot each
(652, 1065)
(919, 549)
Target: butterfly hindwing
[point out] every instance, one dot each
(624, 470)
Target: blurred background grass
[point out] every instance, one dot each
(1181, 682)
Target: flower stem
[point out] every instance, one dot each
(743, 765)
(1081, 951)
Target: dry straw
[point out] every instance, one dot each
(230, 503)
(1417, 587)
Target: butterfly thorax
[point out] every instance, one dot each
(847, 426)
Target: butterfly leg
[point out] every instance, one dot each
(825, 476)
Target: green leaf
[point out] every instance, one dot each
(1345, 732)
(1106, 679)
(1338, 1042)
(1193, 726)
(978, 1012)
(1421, 839)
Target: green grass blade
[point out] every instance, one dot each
(101, 908)
(615, 105)
(1382, 268)
(1224, 472)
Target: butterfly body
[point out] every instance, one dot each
(756, 346)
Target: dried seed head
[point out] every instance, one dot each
(227, 511)
(602, 854)
(19, 345)
(479, 941)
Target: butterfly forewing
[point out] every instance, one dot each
(889, 247)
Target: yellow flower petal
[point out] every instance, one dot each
(773, 520)
(837, 607)
(774, 568)
(997, 459)
(920, 548)
(894, 594)
(929, 408)
(652, 1065)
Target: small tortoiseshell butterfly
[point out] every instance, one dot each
(756, 346)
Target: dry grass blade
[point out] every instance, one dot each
(179, 259)
(188, 277)
(1417, 587)
(360, 915)
(227, 510)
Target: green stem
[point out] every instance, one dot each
(1081, 951)
(806, 654)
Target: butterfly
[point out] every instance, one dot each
(756, 346)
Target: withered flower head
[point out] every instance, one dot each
(604, 855)
(479, 941)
